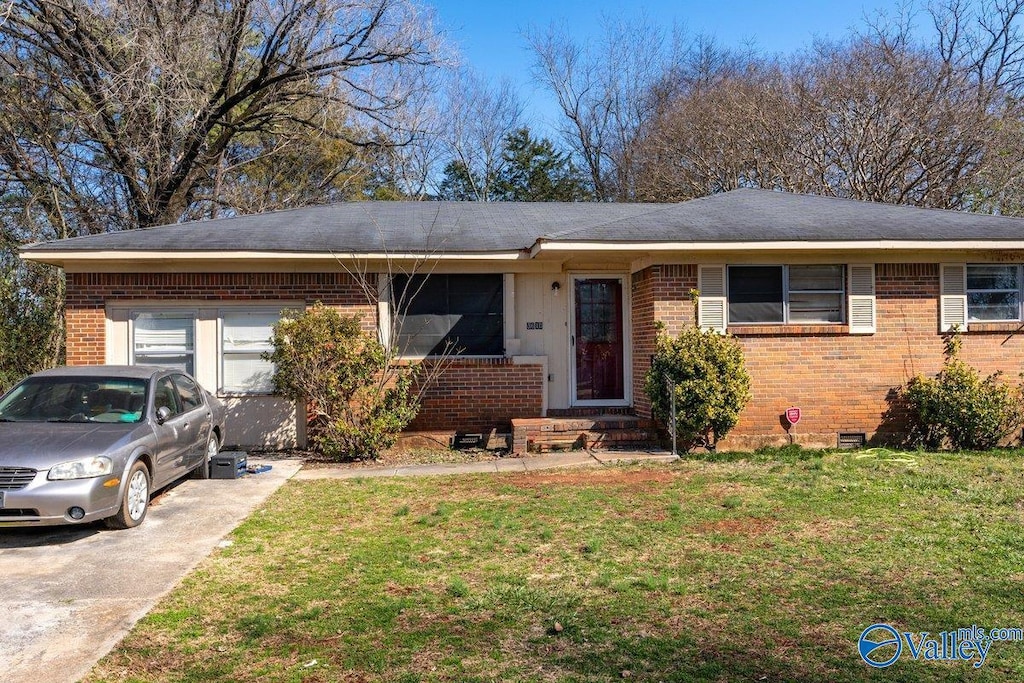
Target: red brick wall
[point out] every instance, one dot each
(840, 381)
(476, 395)
(88, 293)
(472, 394)
(86, 336)
(659, 293)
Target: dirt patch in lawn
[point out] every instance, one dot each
(741, 526)
(610, 477)
(401, 458)
(824, 530)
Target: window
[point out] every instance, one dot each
(245, 336)
(75, 399)
(786, 294)
(188, 393)
(993, 292)
(815, 294)
(166, 397)
(460, 314)
(756, 295)
(166, 339)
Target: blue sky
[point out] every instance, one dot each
(488, 32)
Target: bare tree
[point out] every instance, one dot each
(408, 155)
(477, 117)
(718, 125)
(891, 124)
(125, 109)
(256, 172)
(117, 114)
(882, 116)
(604, 92)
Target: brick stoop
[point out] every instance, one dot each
(597, 432)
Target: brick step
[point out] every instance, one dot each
(611, 438)
(576, 433)
(555, 445)
(596, 424)
(617, 435)
(592, 411)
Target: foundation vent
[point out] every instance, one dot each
(464, 441)
(852, 440)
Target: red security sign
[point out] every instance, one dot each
(792, 415)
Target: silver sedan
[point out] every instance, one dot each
(79, 444)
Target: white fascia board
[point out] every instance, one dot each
(838, 245)
(60, 257)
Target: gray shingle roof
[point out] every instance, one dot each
(362, 227)
(766, 216)
(462, 227)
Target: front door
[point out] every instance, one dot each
(599, 351)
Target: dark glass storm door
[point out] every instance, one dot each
(598, 347)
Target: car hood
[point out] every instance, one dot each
(40, 445)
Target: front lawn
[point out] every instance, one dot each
(760, 568)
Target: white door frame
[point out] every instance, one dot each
(627, 337)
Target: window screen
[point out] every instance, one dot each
(245, 336)
(459, 314)
(993, 292)
(166, 339)
(816, 294)
(755, 295)
(786, 294)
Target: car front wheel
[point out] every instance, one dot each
(134, 501)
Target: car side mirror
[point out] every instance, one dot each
(162, 413)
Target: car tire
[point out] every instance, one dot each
(212, 449)
(134, 500)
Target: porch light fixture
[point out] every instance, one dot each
(555, 286)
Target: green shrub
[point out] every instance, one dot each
(357, 399)
(960, 409)
(710, 382)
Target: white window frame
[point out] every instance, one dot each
(192, 313)
(786, 318)
(221, 352)
(1019, 291)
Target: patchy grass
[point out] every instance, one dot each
(763, 567)
(397, 457)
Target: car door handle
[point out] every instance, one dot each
(184, 425)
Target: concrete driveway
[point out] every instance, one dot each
(72, 593)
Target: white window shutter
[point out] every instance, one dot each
(953, 298)
(711, 309)
(861, 298)
(384, 310)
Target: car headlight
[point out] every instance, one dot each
(85, 468)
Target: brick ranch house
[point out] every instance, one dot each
(554, 306)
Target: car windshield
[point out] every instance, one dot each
(75, 399)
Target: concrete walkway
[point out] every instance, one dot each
(528, 464)
(72, 593)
